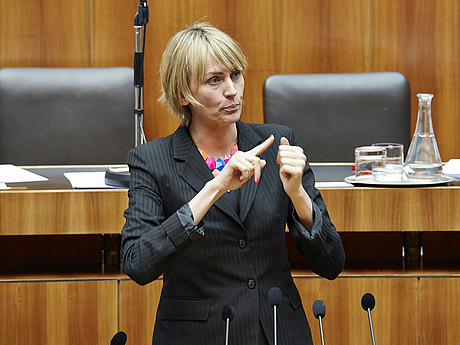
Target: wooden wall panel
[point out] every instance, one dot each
(137, 310)
(112, 35)
(394, 316)
(418, 38)
(44, 33)
(439, 310)
(59, 312)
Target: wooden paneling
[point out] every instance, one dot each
(418, 38)
(62, 212)
(393, 209)
(72, 312)
(48, 212)
(439, 310)
(138, 307)
(44, 33)
(112, 33)
(394, 316)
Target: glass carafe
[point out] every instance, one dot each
(423, 159)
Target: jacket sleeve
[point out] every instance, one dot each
(150, 240)
(322, 246)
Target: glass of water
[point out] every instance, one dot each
(370, 162)
(394, 166)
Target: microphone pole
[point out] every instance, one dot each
(319, 310)
(141, 19)
(228, 313)
(368, 303)
(120, 176)
(274, 298)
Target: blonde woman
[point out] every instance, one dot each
(208, 206)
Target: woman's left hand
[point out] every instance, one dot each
(292, 162)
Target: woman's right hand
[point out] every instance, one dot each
(242, 166)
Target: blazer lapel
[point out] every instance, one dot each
(247, 139)
(194, 169)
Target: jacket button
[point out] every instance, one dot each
(251, 283)
(242, 243)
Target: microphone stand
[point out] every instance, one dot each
(370, 325)
(119, 176)
(140, 21)
(321, 329)
(275, 336)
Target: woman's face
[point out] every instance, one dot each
(220, 93)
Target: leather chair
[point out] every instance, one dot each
(332, 113)
(66, 115)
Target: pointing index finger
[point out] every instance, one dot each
(259, 149)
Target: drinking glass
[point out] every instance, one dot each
(394, 166)
(370, 162)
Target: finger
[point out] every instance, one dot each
(258, 169)
(284, 141)
(287, 151)
(262, 147)
(245, 167)
(290, 171)
(291, 156)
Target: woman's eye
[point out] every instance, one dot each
(236, 74)
(213, 80)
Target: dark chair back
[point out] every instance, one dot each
(332, 113)
(66, 115)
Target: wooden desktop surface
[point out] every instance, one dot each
(53, 207)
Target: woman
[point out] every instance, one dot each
(208, 206)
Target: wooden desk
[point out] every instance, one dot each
(46, 210)
(54, 208)
(394, 209)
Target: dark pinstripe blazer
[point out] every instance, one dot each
(242, 253)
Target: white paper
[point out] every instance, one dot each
(10, 173)
(4, 186)
(332, 184)
(87, 180)
(452, 168)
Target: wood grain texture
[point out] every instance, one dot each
(351, 209)
(112, 34)
(440, 310)
(420, 39)
(62, 212)
(40, 313)
(394, 316)
(394, 209)
(45, 33)
(138, 307)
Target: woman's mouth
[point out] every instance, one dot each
(232, 107)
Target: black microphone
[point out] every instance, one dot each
(228, 313)
(319, 310)
(119, 339)
(368, 303)
(274, 298)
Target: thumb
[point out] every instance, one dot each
(284, 141)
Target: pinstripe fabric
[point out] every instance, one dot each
(240, 257)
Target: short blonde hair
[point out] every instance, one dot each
(185, 61)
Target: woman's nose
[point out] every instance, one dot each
(230, 89)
